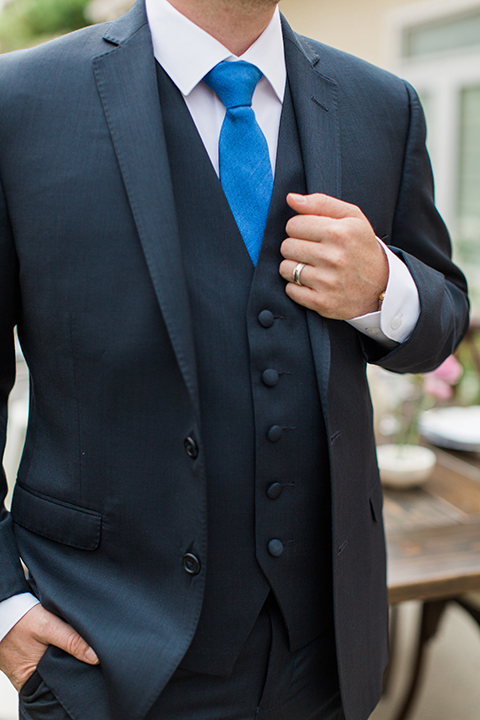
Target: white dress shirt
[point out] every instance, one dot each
(187, 53)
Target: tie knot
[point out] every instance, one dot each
(234, 82)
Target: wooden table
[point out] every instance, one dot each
(433, 547)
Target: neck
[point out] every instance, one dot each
(234, 23)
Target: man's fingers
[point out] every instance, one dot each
(311, 252)
(346, 269)
(72, 643)
(25, 644)
(51, 630)
(311, 299)
(322, 205)
(314, 228)
(66, 638)
(287, 268)
(314, 293)
(326, 285)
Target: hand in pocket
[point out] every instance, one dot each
(23, 647)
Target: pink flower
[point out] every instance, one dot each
(450, 371)
(437, 387)
(439, 382)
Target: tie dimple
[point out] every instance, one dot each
(245, 169)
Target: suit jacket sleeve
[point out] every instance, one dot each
(12, 579)
(421, 240)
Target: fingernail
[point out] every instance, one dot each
(91, 656)
(298, 198)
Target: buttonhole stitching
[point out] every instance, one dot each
(324, 107)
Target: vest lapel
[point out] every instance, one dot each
(127, 85)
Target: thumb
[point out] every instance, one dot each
(322, 205)
(59, 633)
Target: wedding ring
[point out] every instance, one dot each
(296, 273)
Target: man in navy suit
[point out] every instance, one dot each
(198, 503)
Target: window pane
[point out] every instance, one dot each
(458, 32)
(468, 206)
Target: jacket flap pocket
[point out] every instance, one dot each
(56, 520)
(376, 500)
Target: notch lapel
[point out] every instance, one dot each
(127, 85)
(315, 102)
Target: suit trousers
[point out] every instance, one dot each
(268, 683)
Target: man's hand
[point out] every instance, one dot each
(23, 647)
(345, 270)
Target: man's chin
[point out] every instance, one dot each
(255, 4)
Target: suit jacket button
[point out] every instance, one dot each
(191, 564)
(274, 490)
(191, 448)
(275, 433)
(275, 548)
(270, 377)
(265, 318)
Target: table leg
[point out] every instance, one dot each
(387, 677)
(471, 609)
(432, 612)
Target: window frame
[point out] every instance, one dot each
(441, 76)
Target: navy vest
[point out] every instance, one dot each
(269, 509)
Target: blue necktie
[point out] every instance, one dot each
(245, 169)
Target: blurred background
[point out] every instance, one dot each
(434, 44)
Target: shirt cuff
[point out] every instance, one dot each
(13, 609)
(395, 322)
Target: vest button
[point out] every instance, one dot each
(275, 433)
(191, 448)
(270, 377)
(191, 564)
(275, 548)
(266, 318)
(274, 490)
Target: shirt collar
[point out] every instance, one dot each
(187, 53)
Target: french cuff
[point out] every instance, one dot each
(13, 609)
(400, 310)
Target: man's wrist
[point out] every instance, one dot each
(398, 312)
(13, 609)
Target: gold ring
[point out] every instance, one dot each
(296, 273)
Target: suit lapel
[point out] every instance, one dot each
(127, 85)
(315, 101)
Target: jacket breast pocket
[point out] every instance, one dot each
(56, 520)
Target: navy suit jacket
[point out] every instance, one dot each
(107, 500)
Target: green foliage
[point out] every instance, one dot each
(469, 355)
(28, 22)
(53, 16)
